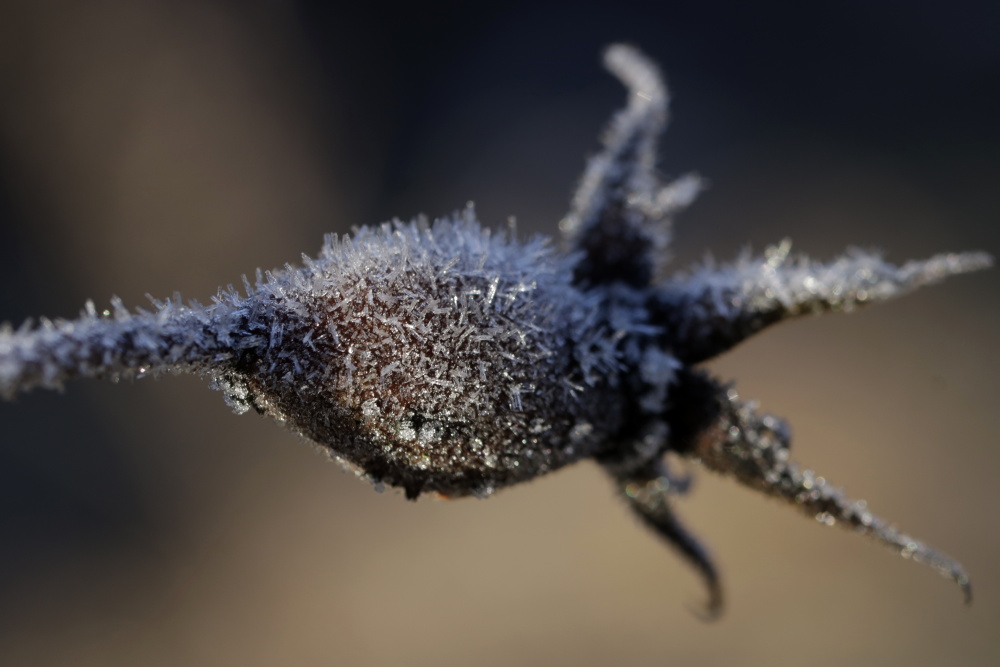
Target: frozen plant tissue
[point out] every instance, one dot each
(452, 359)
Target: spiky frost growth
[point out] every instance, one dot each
(450, 359)
(442, 357)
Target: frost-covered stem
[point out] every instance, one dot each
(115, 344)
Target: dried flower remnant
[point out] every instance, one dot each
(451, 359)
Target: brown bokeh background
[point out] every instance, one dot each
(148, 146)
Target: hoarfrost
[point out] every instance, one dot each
(449, 358)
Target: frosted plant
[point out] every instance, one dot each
(447, 358)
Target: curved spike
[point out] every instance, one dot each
(648, 494)
(618, 214)
(754, 449)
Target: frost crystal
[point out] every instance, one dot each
(447, 358)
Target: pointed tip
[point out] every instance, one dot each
(951, 569)
(941, 266)
(966, 590)
(985, 259)
(618, 52)
(966, 262)
(711, 609)
(640, 74)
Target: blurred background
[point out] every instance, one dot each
(148, 146)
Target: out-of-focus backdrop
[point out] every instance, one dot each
(148, 146)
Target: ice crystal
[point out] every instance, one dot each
(448, 358)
